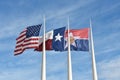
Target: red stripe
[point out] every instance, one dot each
(17, 50)
(82, 33)
(20, 41)
(21, 50)
(18, 46)
(21, 36)
(31, 39)
(23, 31)
(31, 47)
(30, 43)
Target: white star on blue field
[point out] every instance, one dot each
(16, 15)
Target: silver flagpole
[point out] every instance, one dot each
(94, 70)
(69, 56)
(43, 74)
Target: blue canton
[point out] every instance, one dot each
(33, 30)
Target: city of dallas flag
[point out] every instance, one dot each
(57, 40)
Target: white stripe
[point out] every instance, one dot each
(49, 35)
(18, 52)
(76, 37)
(27, 42)
(30, 42)
(23, 33)
(34, 37)
(17, 48)
(32, 45)
(19, 43)
(40, 40)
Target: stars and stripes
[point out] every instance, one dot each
(28, 38)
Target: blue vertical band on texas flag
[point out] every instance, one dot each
(78, 40)
(58, 39)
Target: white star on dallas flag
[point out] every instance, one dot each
(72, 40)
(58, 37)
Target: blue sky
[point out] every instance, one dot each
(15, 15)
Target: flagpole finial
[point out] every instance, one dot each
(91, 23)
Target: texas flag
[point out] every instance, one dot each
(48, 41)
(78, 39)
(54, 40)
(58, 39)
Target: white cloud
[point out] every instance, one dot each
(15, 26)
(21, 74)
(109, 69)
(17, 23)
(65, 12)
(106, 47)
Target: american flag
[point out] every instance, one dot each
(28, 38)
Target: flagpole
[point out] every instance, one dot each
(94, 70)
(43, 73)
(69, 56)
